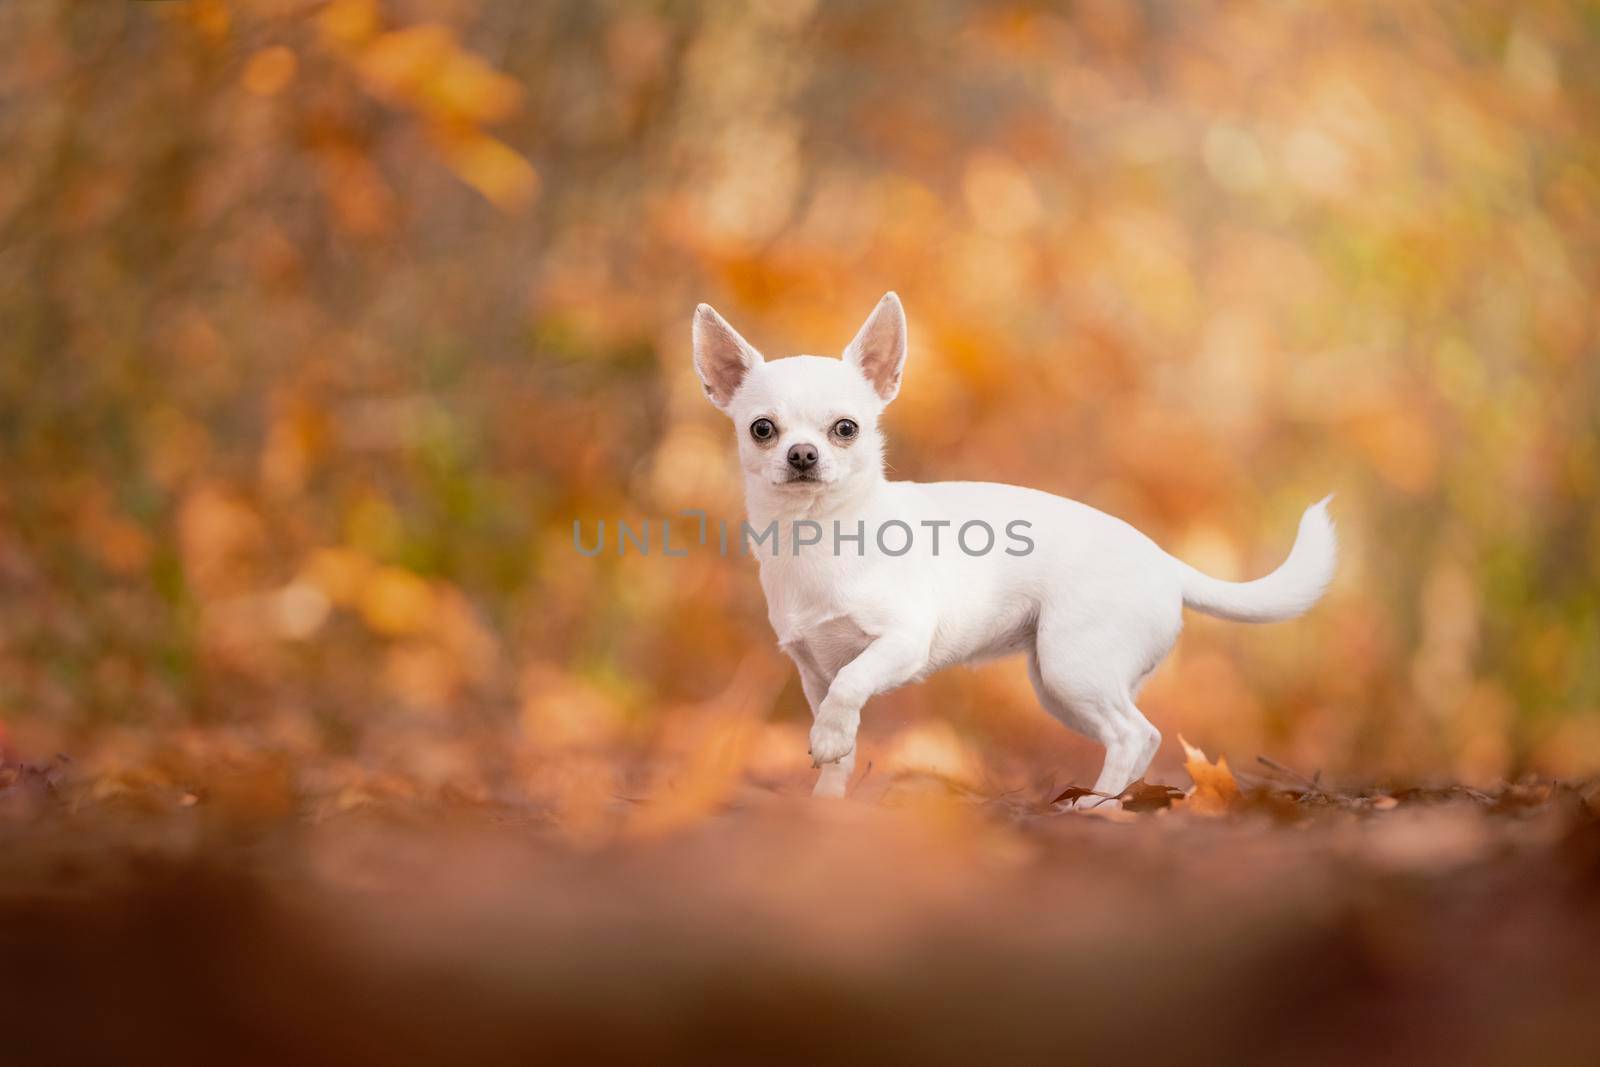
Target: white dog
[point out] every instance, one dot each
(872, 583)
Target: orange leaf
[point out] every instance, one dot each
(349, 22)
(1214, 786)
(396, 601)
(397, 65)
(269, 71)
(493, 168)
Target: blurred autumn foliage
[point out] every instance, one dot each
(320, 323)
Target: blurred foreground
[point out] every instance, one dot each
(257, 919)
(322, 322)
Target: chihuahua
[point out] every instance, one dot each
(1093, 603)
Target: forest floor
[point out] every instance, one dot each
(247, 919)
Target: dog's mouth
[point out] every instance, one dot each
(801, 479)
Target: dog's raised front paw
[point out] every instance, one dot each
(831, 741)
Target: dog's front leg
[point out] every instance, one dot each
(889, 661)
(835, 776)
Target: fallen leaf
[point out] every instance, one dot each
(1214, 786)
(1149, 796)
(1072, 793)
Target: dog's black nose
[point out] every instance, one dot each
(802, 457)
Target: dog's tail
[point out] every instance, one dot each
(1286, 592)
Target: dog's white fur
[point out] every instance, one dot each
(1095, 606)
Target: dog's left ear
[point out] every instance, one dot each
(879, 350)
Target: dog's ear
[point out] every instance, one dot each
(879, 350)
(721, 357)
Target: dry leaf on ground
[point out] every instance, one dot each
(1215, 789)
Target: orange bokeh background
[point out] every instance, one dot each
(321, 323)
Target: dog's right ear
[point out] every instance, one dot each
(721, 357)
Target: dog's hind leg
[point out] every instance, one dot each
(1088, 691)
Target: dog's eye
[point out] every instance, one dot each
(845, 428)
(763, 430)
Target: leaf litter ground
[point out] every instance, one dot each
(264, 914)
